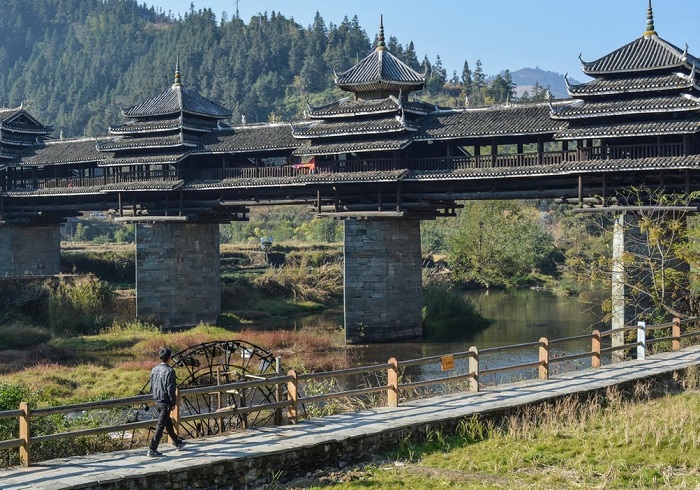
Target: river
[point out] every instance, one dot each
(518, 317)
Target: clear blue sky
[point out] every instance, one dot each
(503, 34)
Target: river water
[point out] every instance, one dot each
(518, 317)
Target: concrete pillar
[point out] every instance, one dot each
(30, 250)
(178, 273)
(383, 283)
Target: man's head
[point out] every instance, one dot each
(164, 354)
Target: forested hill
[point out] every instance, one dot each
(74, 63)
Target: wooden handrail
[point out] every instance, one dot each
(295, 382)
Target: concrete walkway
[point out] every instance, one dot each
(132, 469)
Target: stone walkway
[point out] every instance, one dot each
(204, 458)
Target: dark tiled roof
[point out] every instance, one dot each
(173, 141)
(18, 139)
(651, 105)
(144, 185)
(380, 71)
(645, 54)
(494, 121)
(347, 107)
(354, 146)
(588, 166)
(242, 139)
(139, 126)
(156, 159)
(345, 127)
(62, 152)
(372, 176)
(647, 128)
(178, 99)
(652, 83)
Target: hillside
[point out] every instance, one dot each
(526, 78)
(74, 63)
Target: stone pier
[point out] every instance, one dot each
(178, 273)
(30, 250)
(383, 284)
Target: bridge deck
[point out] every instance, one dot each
(118, 470)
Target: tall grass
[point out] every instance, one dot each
(78, 305)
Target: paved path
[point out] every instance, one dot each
(108, 469)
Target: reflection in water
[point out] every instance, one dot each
(518, 317)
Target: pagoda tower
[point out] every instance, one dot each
(644, 93)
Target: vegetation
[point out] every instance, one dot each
(643, 439)
(265, 69)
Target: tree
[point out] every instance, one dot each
(660, 260)
(498, 243)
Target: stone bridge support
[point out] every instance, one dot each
(178, 273)
(30, 250)
(383, 283)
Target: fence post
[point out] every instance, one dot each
(595, 348)
(676, 334)
(474, 369)
(544, 358)
(293, 396)
(175, 414)
(641, 340)
(392, 388)
(24, 434)
(278, 390)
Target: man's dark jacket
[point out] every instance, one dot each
(163, 384)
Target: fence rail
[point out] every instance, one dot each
(394, 385)
(321, 166)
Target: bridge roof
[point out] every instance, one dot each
(139, 126)
(125, 143)
(516, 119)
(168, 158)
(250, 138)
(650, 83)
(666, 104)
(63, 152)
(614, 129)
(361, 107)
(354, 127)
(352, 146)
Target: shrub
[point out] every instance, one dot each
(77, 306)
(447, 311)
(21, 336)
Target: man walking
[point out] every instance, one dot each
(163, 389)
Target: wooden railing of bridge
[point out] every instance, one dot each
(390, 386)
(325, 167)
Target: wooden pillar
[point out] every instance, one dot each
(595, 349)
(293, 396)
(474, 369)
(24, 434)
(544, 358)
(494, 153)
(392, 389)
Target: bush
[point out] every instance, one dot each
(447, 311)
(21, 336)
(77, 306)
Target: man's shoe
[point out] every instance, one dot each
(154, 454)
(180, 444)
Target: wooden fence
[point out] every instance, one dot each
(393, 386)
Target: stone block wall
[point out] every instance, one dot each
(30, 250)
(178, 273)
(383, 284)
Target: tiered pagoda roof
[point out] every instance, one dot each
(19, 131)
(379, 118)
(178, 119)
(380, 74)
(648, 87)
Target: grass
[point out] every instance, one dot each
(117, 361)
(616, 441)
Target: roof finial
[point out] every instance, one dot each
(380, 42)
(177, 82)
(650, 22)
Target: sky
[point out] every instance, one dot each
(503, 34)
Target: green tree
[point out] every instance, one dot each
(498, 243)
